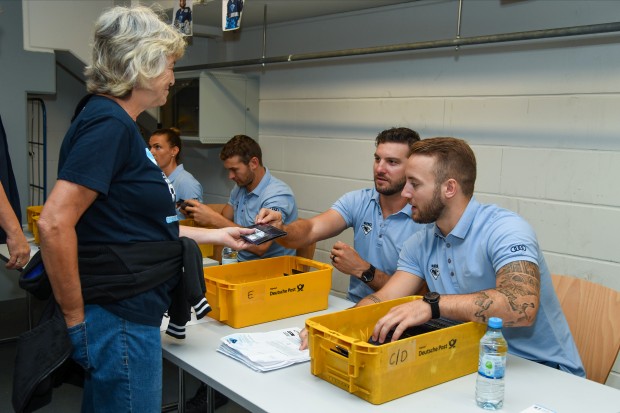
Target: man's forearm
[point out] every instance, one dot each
(297, 234)
(216, 220)
(379, 280)
(369, 299)
(481, 305)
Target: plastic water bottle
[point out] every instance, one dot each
(491, 367)
(229, 256)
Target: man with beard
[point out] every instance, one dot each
(379, 216)
(255, 188)
(479, 261)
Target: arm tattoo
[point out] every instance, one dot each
(373, 298)
(519, 281)
(483, 302)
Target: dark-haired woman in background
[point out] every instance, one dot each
(166, 147)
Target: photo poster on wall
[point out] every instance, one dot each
(231, 14)
(182, 17)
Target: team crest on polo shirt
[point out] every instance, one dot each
(367, 227)
(435, 271)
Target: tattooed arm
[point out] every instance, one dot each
(515, 298)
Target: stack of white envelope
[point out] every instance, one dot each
(265, 351)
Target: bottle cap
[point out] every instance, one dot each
(495, 322)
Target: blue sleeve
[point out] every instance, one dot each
(196, 190)
(233, 196)
(188, 187)
(284, 202)
(512, 239)
(102, 139)
(408, 259)
(345, 206)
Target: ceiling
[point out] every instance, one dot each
(209, 12)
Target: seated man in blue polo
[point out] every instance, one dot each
(479, 261)
(379, 216)
(255, 188)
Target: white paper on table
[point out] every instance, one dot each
(265, 351)
(224, 349)
(535, 408)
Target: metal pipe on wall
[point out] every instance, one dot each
(458, 22)
(264, 31)
(434, 44)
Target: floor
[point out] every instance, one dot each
(67, 398)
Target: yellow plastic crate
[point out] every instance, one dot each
(35, 229)
(340, 354)
(206, 249)
(255, 292)
(31, 212)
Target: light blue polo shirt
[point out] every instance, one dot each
(485, 239)
(376, 240)
(185, 186)
(270, 193)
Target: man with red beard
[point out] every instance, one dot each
(380, 218)
(479, 261)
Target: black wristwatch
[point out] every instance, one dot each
(368, 275)
(432, 298)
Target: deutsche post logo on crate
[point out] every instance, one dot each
(259, 291)
(342, 353)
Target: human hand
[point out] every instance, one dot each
(268, 216)
(181, 205)
(401, 317)
(231, 237)
(199, 212)
(303, 335)
(347, 260)
(19, 250)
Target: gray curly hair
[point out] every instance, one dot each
(131, 47)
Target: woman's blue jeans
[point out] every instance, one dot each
(122, 361)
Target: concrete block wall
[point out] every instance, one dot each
(539, 115)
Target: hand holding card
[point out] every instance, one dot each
(263, 233)
(182, 203)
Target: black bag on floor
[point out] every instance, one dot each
(43, 361)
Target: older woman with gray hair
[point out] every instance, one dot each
(109, 228)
